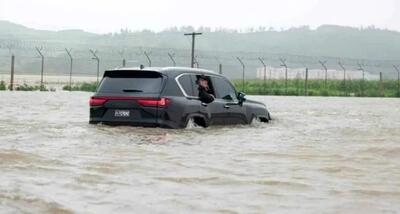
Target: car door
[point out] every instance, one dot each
(215, 110)
(226, 97)
(219, 114)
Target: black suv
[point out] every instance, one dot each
(168, 97)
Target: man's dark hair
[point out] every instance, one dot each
(201, 77)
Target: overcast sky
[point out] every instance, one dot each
(104, 16)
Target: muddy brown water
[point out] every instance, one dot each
(318, 155)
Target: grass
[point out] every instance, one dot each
(26, 87)
(89, 87)
(3, 86)
(296, 87)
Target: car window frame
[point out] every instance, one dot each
(212, 83)
(230, 84)
(185, 93)
(181, 87)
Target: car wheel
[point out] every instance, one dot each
(195, 122)
(190, 124)
(255, 121)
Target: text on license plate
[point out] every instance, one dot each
(121, 113)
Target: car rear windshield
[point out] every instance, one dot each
(147, 82)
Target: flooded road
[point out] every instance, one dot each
(319, 155)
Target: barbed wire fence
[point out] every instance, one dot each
(64, 65)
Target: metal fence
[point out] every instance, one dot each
(64, 66)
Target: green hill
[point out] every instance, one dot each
(302, 46)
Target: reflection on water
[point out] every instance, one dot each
(318, 155)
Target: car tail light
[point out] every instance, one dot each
(143, 101)
(160, 102)
(96, 101)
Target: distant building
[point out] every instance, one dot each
(293, 73)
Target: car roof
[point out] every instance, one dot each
(166, 70)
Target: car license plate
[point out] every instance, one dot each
(121, 113)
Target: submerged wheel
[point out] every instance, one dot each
(190, 124)
(255, 120)
(195, 122)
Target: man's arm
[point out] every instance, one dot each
(205, 97)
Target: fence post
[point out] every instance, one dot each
(70, 68)
(361, 68)
(122, 54)
(323, 64)
(344, 77)
(306, 84)
(283, 61)
(219, 65)
(244, 68)
(171, 57)
(12, 72)
(382, 90)
(196, 62)
(398, 79)
(264, 74)
(148, 57)
(298, 83)
(398, 83)
(95, 57)
(39, 50)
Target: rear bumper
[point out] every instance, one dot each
(142, 123)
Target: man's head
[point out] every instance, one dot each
(203, 81)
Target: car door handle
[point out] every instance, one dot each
(227, 106)
(204, 104)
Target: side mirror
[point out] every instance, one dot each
(241, 97)
(228, 97)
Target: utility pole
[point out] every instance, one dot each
(171, 56)
(95, 57)
(361, 68)
(39, 50)
(70, 67)
(147, 54)
(283, 64)
(398, 79)
(344, 77)
(265, 73)
(323, 64)
(243, 71)
(194, 34)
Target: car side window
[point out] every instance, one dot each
(224, 90)
(186, 83)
